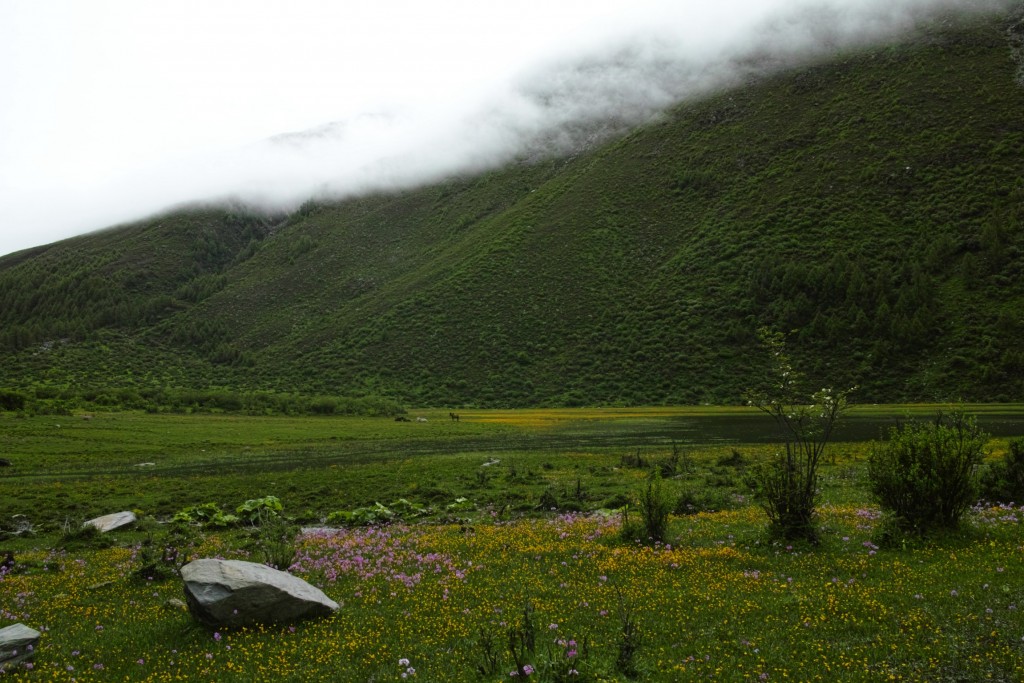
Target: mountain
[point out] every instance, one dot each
(869, 205)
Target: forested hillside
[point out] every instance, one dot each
(870, 206)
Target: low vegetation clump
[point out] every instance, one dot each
(926, 475)
(654, 504)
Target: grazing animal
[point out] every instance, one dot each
(454, 417)
(402, 418)
(4, 462)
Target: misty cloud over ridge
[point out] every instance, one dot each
(570, 97)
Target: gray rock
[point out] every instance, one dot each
(175, 603)
(235, 593)
(18, 644)
(112, 521)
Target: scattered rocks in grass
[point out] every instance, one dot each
(145, 464)
(17, 645)
(112, 521)
(236, 593)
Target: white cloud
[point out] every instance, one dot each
(113, 109)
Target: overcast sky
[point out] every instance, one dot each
(113, 110)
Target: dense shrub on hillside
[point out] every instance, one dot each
(11, 400)
(63, 400)
(926, 475)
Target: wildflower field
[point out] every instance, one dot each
(483, 592)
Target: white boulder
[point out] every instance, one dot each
(112, 521)
(235, 593)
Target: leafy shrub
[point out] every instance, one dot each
(259, 510)
(1003, 481)
(926, 475)
(461, 505)
(206, 514)
(363, 516)
(380, 514)
(408, 510)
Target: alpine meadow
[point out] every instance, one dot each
(735, 394)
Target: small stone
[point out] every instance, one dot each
(112, 521)
(18, 645)
(175, 603)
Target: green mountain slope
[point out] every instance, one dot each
(870, 205)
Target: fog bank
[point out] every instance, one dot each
(272, 112)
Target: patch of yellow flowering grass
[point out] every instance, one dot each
(422, 602)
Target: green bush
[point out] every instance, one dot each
(259, 510)
(786, 486)
(655, 503)
(401, 509)
(206, 515)
(926, 475)
(363, 516)
(1003, 481)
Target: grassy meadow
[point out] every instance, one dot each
(507, 535)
